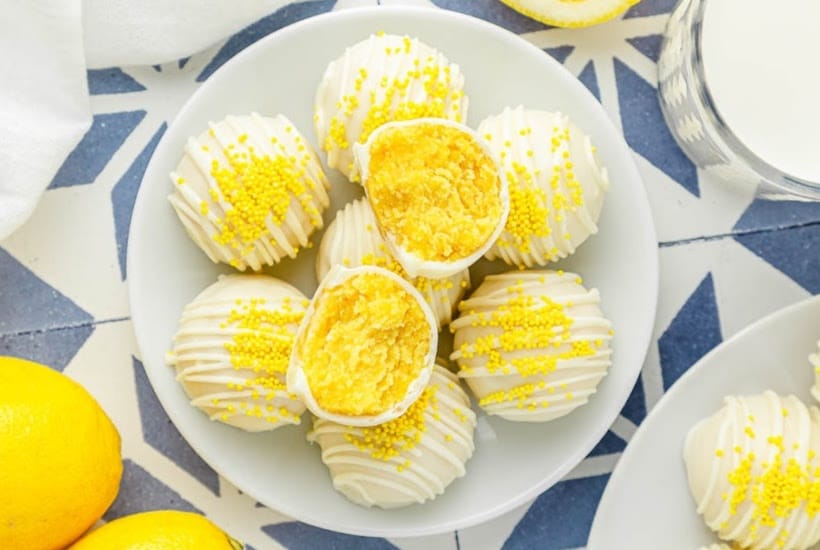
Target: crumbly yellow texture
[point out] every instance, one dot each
(774, 486)
(435, 189)
(366, 342)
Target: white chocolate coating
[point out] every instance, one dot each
(412, 475)
(753, 471)
(814, 359)
(557, 185)
(215, 342)
(353, 239)
(532, 345)
(283, 160)
(382, 79)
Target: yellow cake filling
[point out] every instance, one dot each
(366, 342)
(434, 189)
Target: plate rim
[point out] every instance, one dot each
(641, 346)
(617, 477)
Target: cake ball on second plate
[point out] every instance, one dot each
(532, 345)
(383, 78)
(754, 471)
(250, 191)
(353, 239)
(410, 459)
(557, 185)
(232, 348)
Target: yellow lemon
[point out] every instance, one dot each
(60, 463)
(571, 13)
(160, 530)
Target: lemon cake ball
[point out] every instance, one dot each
(754, 472)
(365, 349)
(383, 78)
(232, 348)
(439, 197)
(557, 185)
(532, 345)
(814, 359)
(408, 460)
(353, 239)
(250, 191)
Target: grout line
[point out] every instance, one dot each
(707, 238)
(65, 327)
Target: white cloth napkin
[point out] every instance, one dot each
(47, 47)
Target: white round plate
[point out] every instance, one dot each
(647, 503)
(279, 74)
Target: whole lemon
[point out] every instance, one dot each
(159, 530)
(60, 463)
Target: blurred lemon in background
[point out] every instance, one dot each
(571, 13)
(60, 462)
(160, 530)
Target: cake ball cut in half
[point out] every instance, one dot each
(557, 185)
(754, 471)
(410, 459)
(532, 345)
(250, 191)
(439, 197)
(232, 349)
(382, 79)
(353, 239)
(365, 349)
(814, 359)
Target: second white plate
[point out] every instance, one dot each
(647, 504)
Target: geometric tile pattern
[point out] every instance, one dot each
(141, 492)
(293, 533)
(693, 332)
(645, 130)
(553, 517)
(99, 144)
(112, 81)
(124, 195)
(794, 251)
(273, 22)
(40, 317)
(160, 433)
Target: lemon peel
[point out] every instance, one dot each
(571, 13)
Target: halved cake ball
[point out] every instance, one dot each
(408, 460)
(232, 349)
(557, 185)
(382, 79)
(439, 197)
(353, 239)
(250, 191)
(754, 471)
(814, 359)
(532, 345)
(365, 349)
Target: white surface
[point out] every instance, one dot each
(647, 499)
(760, 65)
(166, 270)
